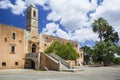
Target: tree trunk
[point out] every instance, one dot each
(100, 35)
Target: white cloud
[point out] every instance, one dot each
(20, 5)
(74, 16)
(69, 11)
(54, 29)
(62, 34)
(4, 4)
(50, 28)
(38, 2)
(84, 34)
(80, 35)
(18, 8)
(109, 10)
(53, 16)
(73, 12)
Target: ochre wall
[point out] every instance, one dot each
(81, 57)
(21, 47)
(6, 42)
(75, 44)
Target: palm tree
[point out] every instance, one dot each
(111, 35)
(100, 26)
(116, 37)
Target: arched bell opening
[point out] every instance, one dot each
(33, 48)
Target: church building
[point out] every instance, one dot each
(24, 48)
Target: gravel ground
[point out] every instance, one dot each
(87, 73)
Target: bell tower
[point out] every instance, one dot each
(32, 19)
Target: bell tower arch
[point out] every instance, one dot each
(32, 19)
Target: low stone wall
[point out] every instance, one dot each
(71, 62)
(48, 62)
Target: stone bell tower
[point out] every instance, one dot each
(32, 19)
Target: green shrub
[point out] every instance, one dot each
(116, 60)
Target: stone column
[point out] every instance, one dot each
(37, 63)
(38, 60)
(59, 65)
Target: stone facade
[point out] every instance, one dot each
(12, 48)
(16, 43)
(49, 39)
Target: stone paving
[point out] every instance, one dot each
(89, 73)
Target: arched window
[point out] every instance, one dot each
(33, 48)
(34, 13)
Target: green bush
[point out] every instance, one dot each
(116, 60)
(66, 51)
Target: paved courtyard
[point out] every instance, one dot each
(89, 73)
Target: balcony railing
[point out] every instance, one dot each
(32, 55)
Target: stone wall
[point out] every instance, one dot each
(9, 59)
(49, 39)
(71, 62)
(49, 63)
(80, 60)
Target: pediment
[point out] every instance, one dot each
(34, 39)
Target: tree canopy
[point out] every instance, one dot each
(104, 50)
(105, 31)
(100, 26)
(111, 35)
(87, 53)
(66, 51)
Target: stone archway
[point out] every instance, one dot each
(29, 64)
(33, 48)
(32, 64)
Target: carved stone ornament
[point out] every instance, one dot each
(34, 39)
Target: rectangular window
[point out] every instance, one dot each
(76, 45)
(13, 49)
(3, 63)
(45, 44)
(81, 55)
(13, 36)
(16, 63)
(34, 13)
(46, 39)
(5, 39)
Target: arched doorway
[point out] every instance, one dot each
(32, 64)
(33, 48)
(29, 64)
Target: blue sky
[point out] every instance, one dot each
(69, 19)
